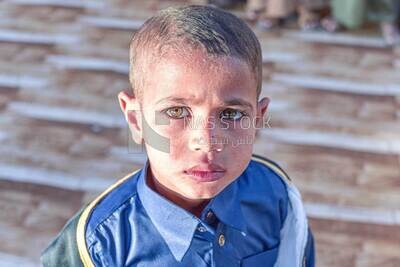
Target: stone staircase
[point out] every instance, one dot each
(334, 116)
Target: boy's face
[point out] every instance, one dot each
(204, 111)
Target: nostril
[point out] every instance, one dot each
(207, 145)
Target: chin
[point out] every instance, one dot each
(204, 193)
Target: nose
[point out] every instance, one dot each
(206, 138)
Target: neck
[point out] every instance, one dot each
(194, 206)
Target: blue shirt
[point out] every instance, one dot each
(135, 226)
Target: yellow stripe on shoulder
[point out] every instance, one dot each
(83, 219)
(273, 166)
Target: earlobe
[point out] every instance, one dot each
(262, 108)
(264, 105)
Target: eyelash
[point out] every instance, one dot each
(165, 112)
(242, 113)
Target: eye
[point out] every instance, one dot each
(232, 114)
(177, 112)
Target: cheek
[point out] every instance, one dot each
(240, 137)
(172, 128)
(168, 132)
(177, 137)
(178, 148)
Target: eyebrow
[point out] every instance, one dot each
(230, 102)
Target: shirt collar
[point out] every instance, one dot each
(176, 225)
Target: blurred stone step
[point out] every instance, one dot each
(334, 140)
(354, 125)
(344, 62)
(41, 18)
(32, 215)
(19, 57)
(38, 38)
(112, 23)
(86, 63)
(58, 179)
(87, 4)
(354, 244)
(16, 81)
(331, 111)
(337, 85)
(8, 260)
(337, 176)
(73, 161)
(271, 56)
(3, 136)
(66, 114)
(337, 39)
(131, 153)
(106, 64)
(359, 232)
(344, 195)
(352, 214)
(329, 67)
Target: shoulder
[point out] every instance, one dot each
(110, 201)
(105, 227)
(295, 236)
(70, 247)
(63, 250)
(265, 174)
(270, 167)
(267, 183)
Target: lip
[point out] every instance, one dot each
(206, 173)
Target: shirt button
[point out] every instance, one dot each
(201, 229)
(221, 240)
(209, 215)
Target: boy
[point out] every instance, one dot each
(201, 199)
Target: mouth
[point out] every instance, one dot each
(206, 173)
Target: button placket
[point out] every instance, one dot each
(209, 215)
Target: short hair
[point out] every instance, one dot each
(218, 32)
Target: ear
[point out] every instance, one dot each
(130, 107)
(262, 107)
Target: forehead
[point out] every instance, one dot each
(198, 76)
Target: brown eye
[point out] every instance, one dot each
(177, 112)
(231, 114)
